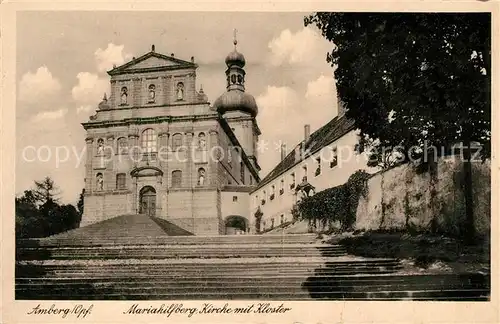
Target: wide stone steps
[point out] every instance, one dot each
(170, 240)
(448, 280)
(163, 252)
(275, 293)
(128, 258)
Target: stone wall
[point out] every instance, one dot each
(194, 210)
(402, 198)
(104, 206)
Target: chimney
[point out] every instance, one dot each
(283, 151)
(307, 132)
(153, 48)
(192, 59)
(172, 54)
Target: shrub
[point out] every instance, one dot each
(337, 204)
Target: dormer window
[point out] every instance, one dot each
(180, 91)
(318, 167)
(152, 93)
(124, 95)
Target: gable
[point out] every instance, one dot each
(152, 62)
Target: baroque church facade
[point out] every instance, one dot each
(157, 147)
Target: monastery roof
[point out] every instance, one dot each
(331, 131)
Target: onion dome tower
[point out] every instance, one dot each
(237, 107)
(235, 98)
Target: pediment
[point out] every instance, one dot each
(152, 61)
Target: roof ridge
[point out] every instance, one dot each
(337, 129)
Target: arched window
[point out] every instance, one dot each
(176, 141)
(148, 141)
(152, 93)
(121, 181)
(180, 91)
(176, 178)
(121, 144)
(202, 144)
(201, 177)
(124, 95)
(99, 181)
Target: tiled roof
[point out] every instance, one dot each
(331, 131)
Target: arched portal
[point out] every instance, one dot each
(236, 224)
(148, 201)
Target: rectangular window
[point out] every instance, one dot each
(235, 198)
(292, 180)
(121, 181)
(176, 178)
(176, 141)
(304, 169)
(333, 162)
(282, 218)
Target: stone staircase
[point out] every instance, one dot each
(77, 265)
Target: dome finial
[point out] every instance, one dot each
(235, 41)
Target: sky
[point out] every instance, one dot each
(62, 59)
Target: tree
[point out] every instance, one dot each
(39, 214)
(414, 81)
(46, 191)
(79, 205)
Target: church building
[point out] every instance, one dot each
(157, 147)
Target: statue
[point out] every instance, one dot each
(124, 96)
(152, 94)
(202, 145)
(100, 146)
(180, 91)
(100, 182)
(201, 177)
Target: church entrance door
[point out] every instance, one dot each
(148, 201)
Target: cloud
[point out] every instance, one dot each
(90, 88)
(113, 54)
(279, 118)
(283, 112)
(301, 47)
(50, 115)
(323, 87)
(38, 86)
(84, 109)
